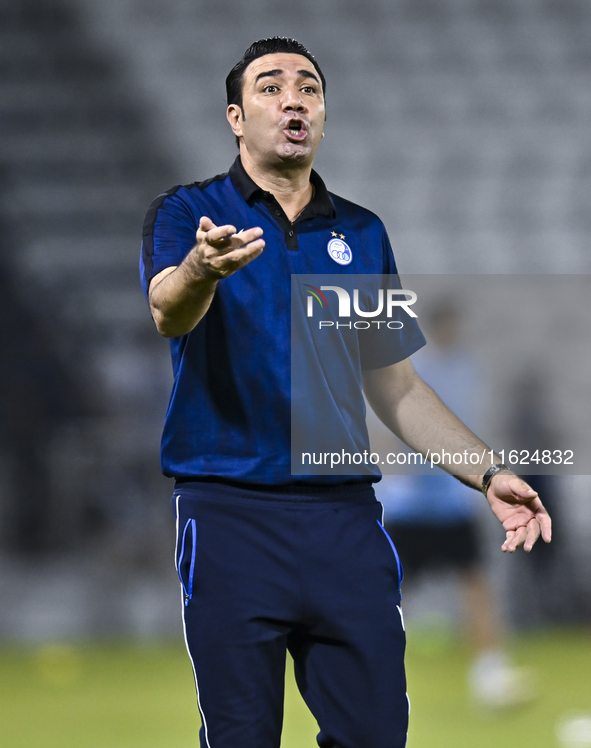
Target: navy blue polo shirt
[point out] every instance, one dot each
(229, 413)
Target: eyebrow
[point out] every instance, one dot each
(277, 71)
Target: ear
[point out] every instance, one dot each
(234, 115)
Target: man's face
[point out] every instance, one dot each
(282, 116)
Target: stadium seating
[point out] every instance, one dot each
(462, 123)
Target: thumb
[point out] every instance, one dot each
(520, 489)
(206, 224)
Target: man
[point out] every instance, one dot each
(269, 562)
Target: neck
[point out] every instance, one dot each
(289, 185)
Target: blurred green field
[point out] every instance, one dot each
(121, 695)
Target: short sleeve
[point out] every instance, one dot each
(388, 255)
(168, 234)
(399, 335)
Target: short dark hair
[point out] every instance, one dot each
(271, 46)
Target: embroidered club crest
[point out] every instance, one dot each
(339, 251)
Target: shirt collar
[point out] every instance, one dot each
(321, 204)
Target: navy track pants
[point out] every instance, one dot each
(261, 575)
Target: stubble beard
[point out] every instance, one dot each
(293, 152)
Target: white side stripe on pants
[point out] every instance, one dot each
(177, 564)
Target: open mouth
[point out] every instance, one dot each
(296, 129)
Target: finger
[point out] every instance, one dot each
(507, 545)
(545, 522)
(219, 234)
(235, 241)
(520, 536)
(245, 236)
(205, 226)
(533, 533)
(543, 518)
(516, 540)
(246, 252)
(235, 259)
(205, 223)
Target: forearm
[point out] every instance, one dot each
(414, 412)
(180, 299)
(425, 423)
(411, 409)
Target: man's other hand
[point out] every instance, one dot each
(520, 511)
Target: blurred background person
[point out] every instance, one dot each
(435, 521)
(543, 581)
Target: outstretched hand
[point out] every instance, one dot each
(520, 511)
(180, 295)
(220, 251)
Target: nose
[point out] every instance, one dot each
(292, 100)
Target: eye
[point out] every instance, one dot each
(309, 89)
(270, 88)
